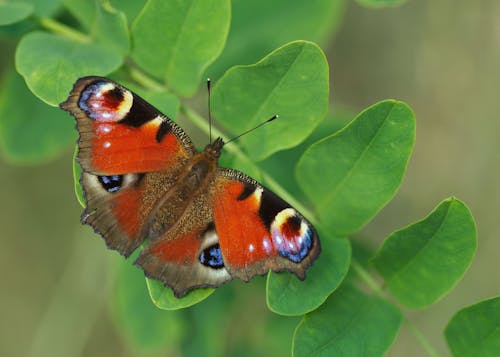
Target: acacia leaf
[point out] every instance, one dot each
(475, 330)
(353, 173)
(349, 324)
(287, 295)
(422, 262)
(176, 40)
(292, 81)
(51, 64)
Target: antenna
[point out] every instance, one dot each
(276, 116)
(209, 113)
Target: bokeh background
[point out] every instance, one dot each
(59, 289)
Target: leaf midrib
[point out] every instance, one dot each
(254, 117)
(366, 306)
(351, 171)
(180, 34)
(422, 249)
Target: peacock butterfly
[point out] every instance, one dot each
(143, 178)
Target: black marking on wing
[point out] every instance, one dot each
(140, 113)
(270, 206)
(115, 94)
(163, 130)
(111, 183)
(248, 189)
(212, 257)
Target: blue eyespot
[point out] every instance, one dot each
(212, 257)
(111, 183)
(303, 248)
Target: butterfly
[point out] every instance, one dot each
(144, 182)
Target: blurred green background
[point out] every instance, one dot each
(59, 293)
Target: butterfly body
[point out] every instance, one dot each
(143, 178)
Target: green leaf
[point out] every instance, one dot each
(163, 297)
(30, 131)
(131, 8)
(51, 64)
(475, 330)
(292, 81)
(141, 324)
(422, 262)
(77, 172)
(380, 3)
(259, 26)
(111, 28)
(14, 11)
(352, 174)
(287, 295)
(281, 165)
(45, 7)
(83, 11)
(349, 324)
(176, 40)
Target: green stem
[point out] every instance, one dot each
(367, 278)
(421, 338)
(61, 29)
(145, 80)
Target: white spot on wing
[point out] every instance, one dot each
(251, 248)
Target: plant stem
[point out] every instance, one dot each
(61, 29)
(421, 338)
(367, 278)
(145, 80)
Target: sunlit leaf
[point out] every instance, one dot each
(51, 64)
(164, 298)
(348, 324)
(287, 295)
(353, 173)
(422, 262)
(475, 330)
(14, 11)
(176, 40)
(292, 81)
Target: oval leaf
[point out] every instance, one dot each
(30, 130)
(353, 173)
(163, 297)
(176, 40)
(287, 295)
(111, 28)
(475, 330)
(51, 64)
(423, 261)
(348, 324)
(292, 81)
(14, 11)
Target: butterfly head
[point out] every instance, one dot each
(213, 150)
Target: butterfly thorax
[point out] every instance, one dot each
(193, 181)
